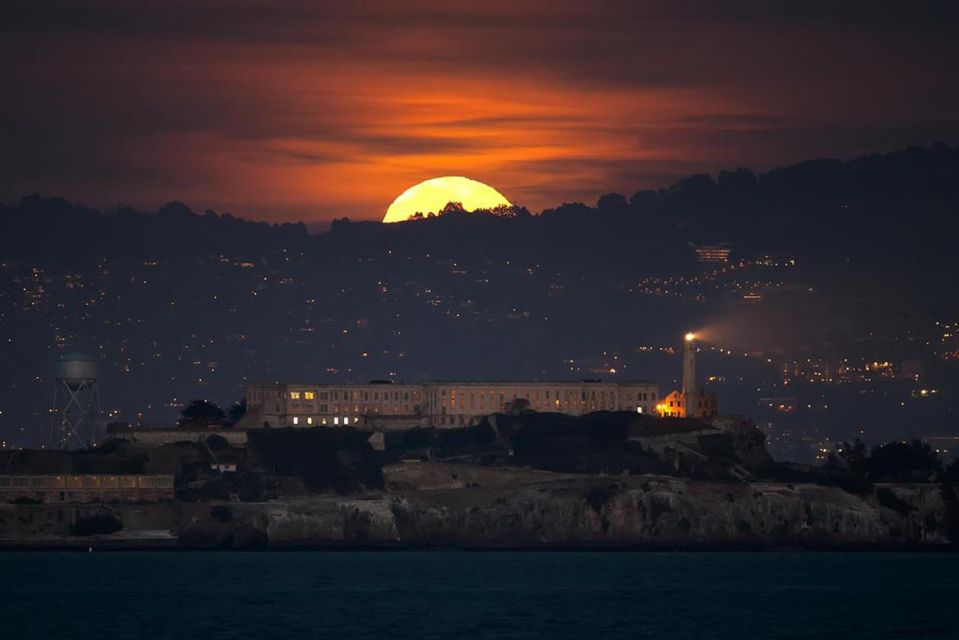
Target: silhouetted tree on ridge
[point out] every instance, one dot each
(202, 413)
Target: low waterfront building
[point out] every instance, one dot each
(67, 488)
(159, 436)
(435, 404)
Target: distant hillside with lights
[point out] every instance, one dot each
(819, 261)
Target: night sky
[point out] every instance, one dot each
(296, 110)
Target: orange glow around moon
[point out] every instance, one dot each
(434, 194)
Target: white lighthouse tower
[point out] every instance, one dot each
(689, 390)
(691, 400)
(689, 364)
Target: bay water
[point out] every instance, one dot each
(501, 595)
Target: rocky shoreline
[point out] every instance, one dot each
(639, 512)
(608, 480)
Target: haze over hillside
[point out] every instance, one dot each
(832, 265)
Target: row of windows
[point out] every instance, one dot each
(443, 419)
(401, 409)
(323, 422)
(483, 405)
(360, 408)
(701, 403)
(480, 407)
(462, 419)
(556, 405)
(535, 395)
(491, 400)
(355, 395)
(86, 482)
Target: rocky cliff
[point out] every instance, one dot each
(530, 481)
(565, 512)
(599, 512)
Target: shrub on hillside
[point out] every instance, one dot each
(97, 524)
(326, 459)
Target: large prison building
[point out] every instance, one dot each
(434, 404)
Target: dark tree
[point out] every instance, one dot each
(505, 211)
(236, 412)
(852, 462)
(452, 208)
(852, 457)
(700, 185)
(517, 406)
(568, 210)
(643, 198)
(203, 412)
(96, 524)
(952, 472)
(903, 462)
(739, 181)
(217, 443)
(612, 202)
(340, 225)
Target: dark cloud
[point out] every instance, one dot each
(749, 120)
(296, 101)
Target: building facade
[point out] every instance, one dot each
(439, 404)
(87, 488)
(702, 405)
(712, 252)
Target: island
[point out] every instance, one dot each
(520, 480)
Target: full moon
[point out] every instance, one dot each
(434, 194)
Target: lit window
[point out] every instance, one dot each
(309, 421)
(336, 420)
(294, 395)
(308, 395)
(296, 420)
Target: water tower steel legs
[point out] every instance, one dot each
(75, 425)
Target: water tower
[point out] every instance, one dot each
(76, 403)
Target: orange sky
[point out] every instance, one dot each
(312, 110)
